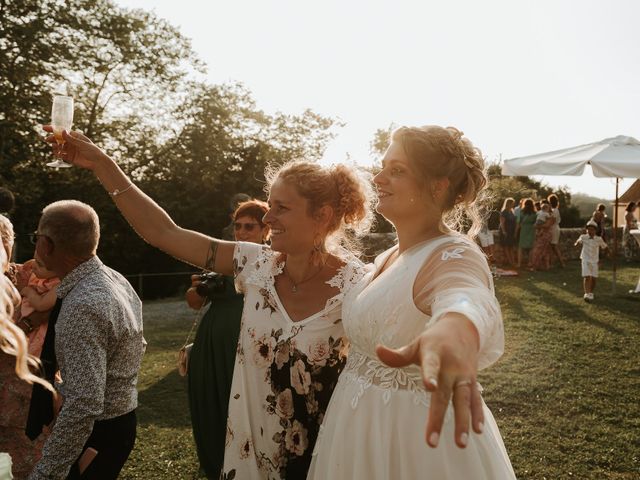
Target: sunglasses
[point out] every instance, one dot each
(249, 227)
(33, 237)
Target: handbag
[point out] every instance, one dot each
(183, 359)
(185, 351)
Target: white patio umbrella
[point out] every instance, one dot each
(617, 157)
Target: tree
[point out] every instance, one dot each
(189, 144)
(120, 65)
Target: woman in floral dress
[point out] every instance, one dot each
(291, 347)
(430, 302)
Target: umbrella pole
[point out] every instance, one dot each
(615, 238)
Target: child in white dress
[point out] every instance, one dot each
(431, 299)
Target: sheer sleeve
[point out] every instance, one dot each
(456, 278)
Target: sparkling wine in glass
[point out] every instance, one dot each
(61, 119)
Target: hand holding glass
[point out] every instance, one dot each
(61, 119)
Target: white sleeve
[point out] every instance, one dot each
(456, 278)
(246, 260)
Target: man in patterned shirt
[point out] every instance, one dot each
(98, 349)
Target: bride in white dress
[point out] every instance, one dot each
(430, 298)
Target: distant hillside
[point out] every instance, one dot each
(587, 204)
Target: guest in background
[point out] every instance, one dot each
(628, 241)
(237, 199)
(7, 202)
(555, 227)
(599, 216)
(527, 231)
(541, 253)
(508, 231)
(485, 237)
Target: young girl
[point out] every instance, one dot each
(38, 296)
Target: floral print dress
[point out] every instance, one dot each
(285, 371)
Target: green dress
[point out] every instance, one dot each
(527, 230)
(210, 373)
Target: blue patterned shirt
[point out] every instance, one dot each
(99, 347)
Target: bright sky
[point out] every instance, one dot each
(517, 77)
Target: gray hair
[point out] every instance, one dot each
(73, 226)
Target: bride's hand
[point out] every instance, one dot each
(77, 149)
(448, 355)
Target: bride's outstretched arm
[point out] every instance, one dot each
(147, 218)
(464, 334)
(447, 355)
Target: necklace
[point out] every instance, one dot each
(294, 285)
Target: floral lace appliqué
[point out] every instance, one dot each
(455, 253)
(346, 277)
(367, 371)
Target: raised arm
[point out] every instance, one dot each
(146, 217)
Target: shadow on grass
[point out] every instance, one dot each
(560, 305)
(165, 403)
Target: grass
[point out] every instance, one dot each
(566, 393)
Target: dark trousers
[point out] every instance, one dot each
(113, 439)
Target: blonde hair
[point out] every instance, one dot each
(509, 202)
(347, 191)
(12, 339)
(436, 153)
(6, 233)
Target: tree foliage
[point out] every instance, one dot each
(189, 144)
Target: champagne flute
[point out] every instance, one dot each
(61, 119)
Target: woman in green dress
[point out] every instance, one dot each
(527, 230)
(213, 353)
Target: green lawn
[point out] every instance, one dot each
(566, 394)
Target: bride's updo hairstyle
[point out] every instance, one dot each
(435, 153)
(347, 191)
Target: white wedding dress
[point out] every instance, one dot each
(375, 424)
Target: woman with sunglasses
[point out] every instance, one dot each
(291, 347)
(211, 360)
